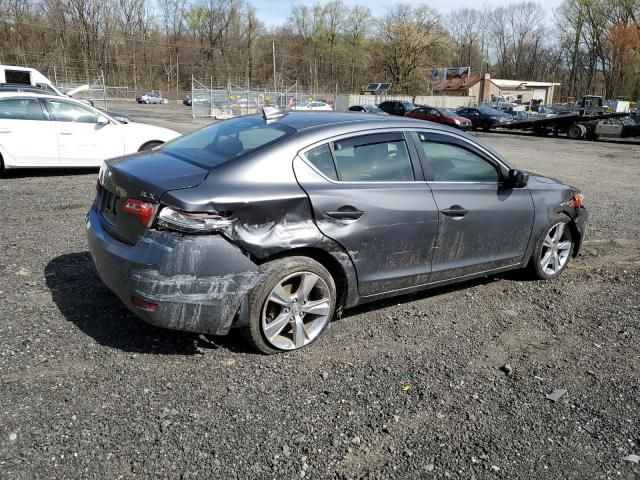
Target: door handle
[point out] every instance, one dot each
(455, 211)
(5, 130)
(345, 213)
(66, 132)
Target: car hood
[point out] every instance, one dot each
(550, 181)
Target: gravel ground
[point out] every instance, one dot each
(415, 387)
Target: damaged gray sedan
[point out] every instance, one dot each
(271, 223)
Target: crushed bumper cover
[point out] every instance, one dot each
(580, 218)
(198, 282)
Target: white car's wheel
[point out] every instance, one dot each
(150, 145)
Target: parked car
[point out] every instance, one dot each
(40, 88)
(484, 117)
(39, 130)
(244, 106)
(149, 98)
(16, 87)
(200, 99)
(269, 223)
(366, 109)
(440, 115)
(394, 107)
(313, 105)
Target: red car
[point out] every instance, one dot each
(440, 115)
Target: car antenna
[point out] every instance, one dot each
(272, 113)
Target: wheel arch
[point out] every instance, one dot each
(328, 261)
(149, 142)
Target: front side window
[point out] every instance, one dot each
(451, 163)
(21, 109)
(70, 112)
(373, 158)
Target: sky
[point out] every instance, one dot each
(276, 12)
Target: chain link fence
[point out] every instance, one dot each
(233, 100)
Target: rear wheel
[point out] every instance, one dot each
(485, 126)
(149, 146)
(553, 250)
(292, 306)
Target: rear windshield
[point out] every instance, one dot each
(216, 144)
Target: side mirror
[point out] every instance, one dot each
(102, 120)
(517, 179)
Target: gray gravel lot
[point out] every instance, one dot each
(406, 388)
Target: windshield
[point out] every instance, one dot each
(489, 111)
(409, 106)
(448, 113)
(216, 144)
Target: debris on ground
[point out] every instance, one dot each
(556, 394)
(632, 458)
(508, 369)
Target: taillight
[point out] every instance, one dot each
(145, 211)
(192, 222)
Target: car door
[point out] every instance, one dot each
(82, 141)
(433, 115)
(483, 224)
(369, 195)
(26, 136)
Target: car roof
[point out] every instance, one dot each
(34, 95)
(306, 121)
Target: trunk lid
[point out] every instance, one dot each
(144, 176)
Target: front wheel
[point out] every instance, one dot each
(553, 250)
(292, 306)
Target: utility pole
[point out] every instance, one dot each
(273, 54)
(177, 78)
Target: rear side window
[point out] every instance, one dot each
(322, 158)
(216, 144)
(373, 158)
(21, 109)
(451, 163)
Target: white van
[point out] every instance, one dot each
(30, 76)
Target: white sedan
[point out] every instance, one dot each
(315, 105)
(48, 131)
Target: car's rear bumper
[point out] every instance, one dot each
(197, 282)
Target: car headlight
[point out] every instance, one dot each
(457, 122)
(193, 222)
(576, 201)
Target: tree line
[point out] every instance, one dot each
(589, 46)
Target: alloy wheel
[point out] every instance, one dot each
(296, 311)
(555, 249)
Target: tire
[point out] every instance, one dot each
(293, 324)
(576, 131)
(542, 248)
(147, 102)
(149, 146)
(485, 126)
